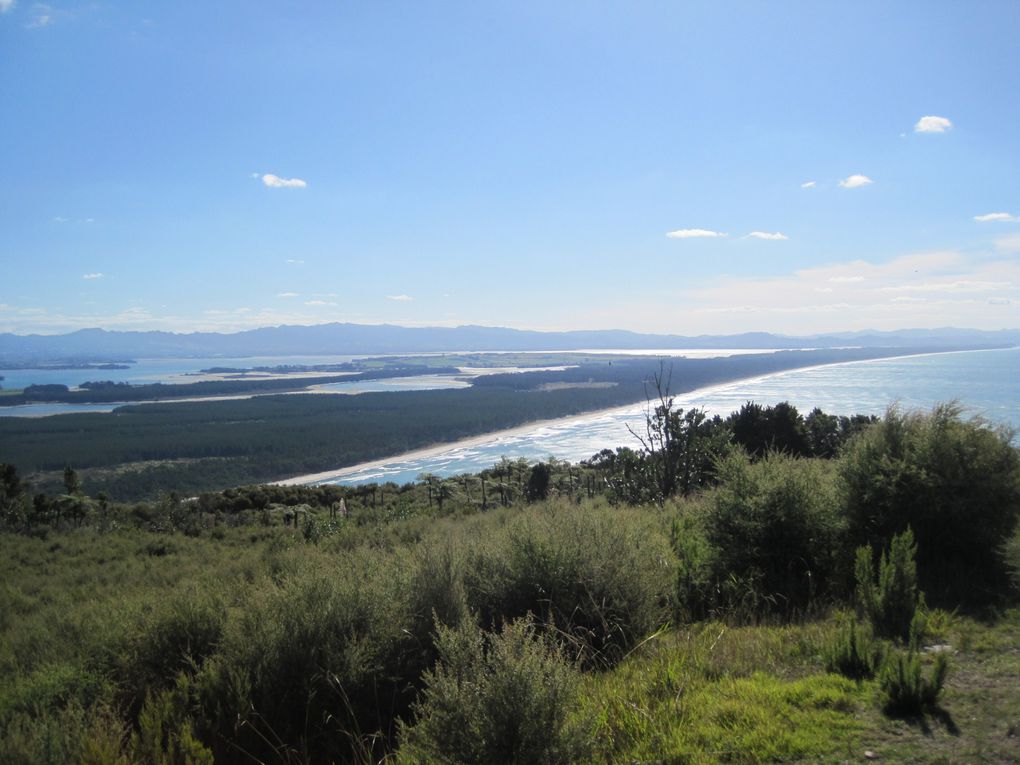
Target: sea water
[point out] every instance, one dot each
(985, 383)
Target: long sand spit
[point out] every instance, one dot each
(485, 438)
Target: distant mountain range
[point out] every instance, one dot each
(343, 339)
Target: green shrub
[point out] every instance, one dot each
(1011, 555)
(177, 636)
(775, 528)
(506, 697)
(693, 594)
(91, 736)
(598, 578)
(893, 603)
(165, 733)
(435, 597)
(955, 482)
(312, 662)
(853, 653)
(53, 686)
(905, 688)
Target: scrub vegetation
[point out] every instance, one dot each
(762, 588)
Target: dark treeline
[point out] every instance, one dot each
(106, 391)
(202, 446)
(688, 374)
(686, 446)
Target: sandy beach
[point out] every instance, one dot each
(432, 451)
(438, 449)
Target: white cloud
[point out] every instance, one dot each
(401, 298)
(295, 261)
(855, 181)
(61, 219)
(999, 216)
(776, 237)
(845, 279)
(6, 5)
(276, 182)
(287, 294)
(96, 275)
(808, 185)
(693, 233)
(932, 125)
(319, 302)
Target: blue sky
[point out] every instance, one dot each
(219, 166)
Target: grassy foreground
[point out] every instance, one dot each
(775, 615)
(93, 624)
(719, 693)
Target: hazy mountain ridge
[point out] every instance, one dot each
(337, 339)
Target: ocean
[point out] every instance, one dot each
(985, 383)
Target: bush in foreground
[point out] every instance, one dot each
(955, 482)
(891, 601)
(853, 653)
(905, 688)
(597, 578)
(506, 697)
(775, 526)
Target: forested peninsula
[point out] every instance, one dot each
(104, 391)
(141, 451)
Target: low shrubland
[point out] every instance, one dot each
(769, 616)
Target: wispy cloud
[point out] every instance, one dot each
(808, 184)
(295, 261)
(932, 124)
(96, 275)
(1005, 217)
(1008, 244)
(855, 181)
(693, 233)
(6, 5)
(287, 294)
(927, 289)
(43, 16)
(959, 285)
(776, 237)
(400, 298)
(319, 302)
(276, 182)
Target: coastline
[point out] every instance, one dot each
(438, 449)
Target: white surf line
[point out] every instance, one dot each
(495, 435)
